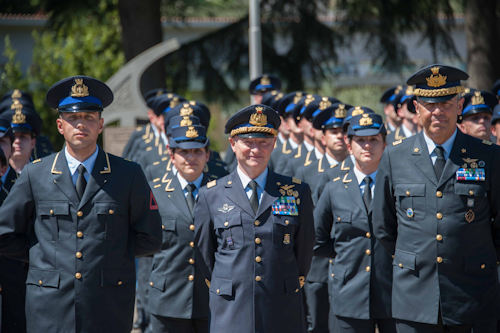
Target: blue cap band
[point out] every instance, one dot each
(250, 125)
(179, 139)
(263, 86)
(405, 97)
(374, 125)
(333, 120)
(74, 100)
(27, 126)
(168, 108)
(471, 107)
(4, 129)
(392, 98)
(289, 107)
(302, 110)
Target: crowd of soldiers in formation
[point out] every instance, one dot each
(316, 145)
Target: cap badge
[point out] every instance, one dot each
(79, 89)
(18, 117)
(324, 103)
(357, 111)
(186, 110)
(366, 120)
(340, 112)
(436, 79)
(185, 121)
(297, 97)
(309, 99)
(398, 90)
(191, 132)
(16, 94)
(477, 98)
(265, 81)
(174, 102)
(258, 118)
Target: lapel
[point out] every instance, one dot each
(455, 159)
(351, 187)
(270, 194)
(421, 158)
(234, 191)
(61, 176)
(177, 197)
(99, 176)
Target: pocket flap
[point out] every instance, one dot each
(221, 287)
(342, 217)
(53, 208)
(292, 285)
(404, 259)
(157, 281)
(168, 224)
(409, 190)
(117, 277)
(473, 190)
(105, 208)
(287, 220)
(43, 278)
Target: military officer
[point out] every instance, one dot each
(436, 210)
(83, 214)
(477, 113)
(390, 100)
(262, 84)
(495, 124)
(406, 112)
(360, 281)
(255, 235)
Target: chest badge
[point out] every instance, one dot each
(225, 208)
(470, 216)
(410, 213)
(286, 239)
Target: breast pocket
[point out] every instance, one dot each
(55, 221)
(109, 224)
(411, 200)
(284, 229)
(229, 230)
(473, 197)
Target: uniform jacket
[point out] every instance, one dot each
(444, 233)
(281, 151)
(81, 274)
(280, 166)
(329, 174)
(397, 135)
(134, 139)
(254, 262)
(177, 288)
(300, 158)
(362, 274)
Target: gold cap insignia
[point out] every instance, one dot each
(265, 80)
(324, 103)
(174, 102)
(191, 132)
(186, 110)
(409, 90)
(186, 121)
(278, 96)
(18, 117)
(79, 89)
(341, 112)
(297, 97)
(308, 100)
(357, 111)
(366, 120)
(436, 79)
(466, 90)
(274, 92)
(398, 90)
(258, 118)
(16, 94)
(477, 98)
(193, 103)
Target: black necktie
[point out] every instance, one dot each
(367, 194)
(440, 161)
(190, 197)
(81, 183)
(254, 199)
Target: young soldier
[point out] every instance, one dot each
(477, 113)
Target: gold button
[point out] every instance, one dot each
(367, 268)
(338, 218)
(151, 283)
(439, 194)
(258, 278)
(483, 266)
(257, 240)
(78, 275)
(439, 260)
(226, 224)
(163, 227)
(400, 265)
(191, 244)
(287, 222)
(191, 227)
(79, 213)
(368, 235)
(78, 255)
(439, 237)
(256, 223)
(258, 259)
(330, 261)
(79, 234)
(471, 192)
(407, 193)
(111, 212)
(40, 282)
(333, 275)
(191, 261)
(51, 212)
(368, 252)
(218, 291)
(439, 216)
(120, 283)
(191, 277)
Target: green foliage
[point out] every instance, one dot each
(10, 73)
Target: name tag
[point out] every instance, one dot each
(476, 174)
(285, 206)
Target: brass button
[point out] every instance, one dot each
(439, 237)
(407, 193)
(151, 283)
(367, 268)
(78, 275)
(287, 222)
(338, 218)
(40, 282)
(439, 194)
(483, 266)
(163, 227)
(332, 275)
(258, 259)
(191, 261)
(79, 213)
(297, 290)
(191, 244)
(51, 212)
(78, 255)
(79, 234)
(111, 212)
(439, 260)
(439, 216)
(191, 277)
(226, 224)
(256, 223)
(471, 192)
(120, 282)
(258, 278)
(330, 261)
(257, 240)
(218, 291)
(368, 252)
(191, 227)
(400, 265)
(368, 235)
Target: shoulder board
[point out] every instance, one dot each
(487, 142)
(335, 179)
(156, 163)
(296, 180)
(395, 143)
(36, 161)
(211, 183)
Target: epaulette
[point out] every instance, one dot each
(296, 180)
(211, 183)
(487, 142)
(36, 161)
(156, 180)
(156, 163)
(335, 179)
(395, 143)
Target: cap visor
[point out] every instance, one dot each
(366, 132)
(256, 135)
(435, 99)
